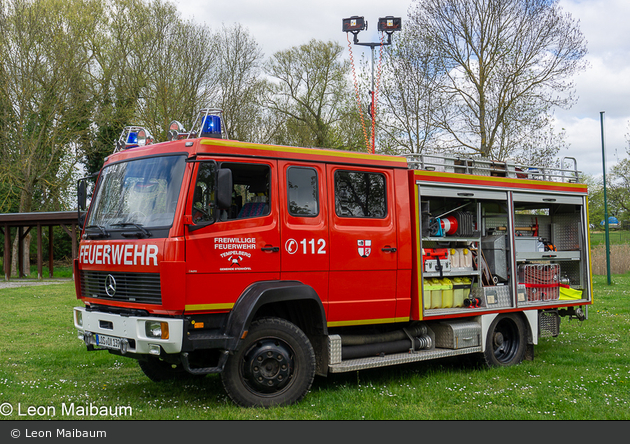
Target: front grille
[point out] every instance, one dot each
(141, 288)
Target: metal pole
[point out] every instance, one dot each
(372, 148)
(373, 107)
(606, 227)
(372, 48)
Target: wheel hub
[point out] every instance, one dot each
(498, 339)
(268, 365)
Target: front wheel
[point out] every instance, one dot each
(506, 342)
(274, 365)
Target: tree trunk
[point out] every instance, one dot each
(26, 203)
(26, 256)
(14, 256)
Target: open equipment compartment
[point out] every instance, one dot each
(552, 259)
(527, 249)
(453, 225)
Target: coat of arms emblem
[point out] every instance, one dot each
(364, 247)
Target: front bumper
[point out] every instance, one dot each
(131, 331)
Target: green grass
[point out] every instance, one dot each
(61, 271)
(58, 272)
(614, 236)
(583, 374)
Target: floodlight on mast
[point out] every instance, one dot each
(386, 25)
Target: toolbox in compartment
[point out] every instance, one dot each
(542, 281)
(457, 334)
(496, 296)
(528, 244)
(435, 260)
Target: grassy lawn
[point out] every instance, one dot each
(583, 374)
(614, 236)
(59, 271)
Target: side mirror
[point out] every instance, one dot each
(81, 200)
(81, 195)
(224, 188)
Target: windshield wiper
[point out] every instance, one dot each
(103, 231)
(138, 226)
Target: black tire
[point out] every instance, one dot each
(506, 341)
(158, 370)
(273, 366)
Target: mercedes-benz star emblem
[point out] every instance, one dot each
(110, 285)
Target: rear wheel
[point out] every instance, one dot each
(506, 342)
(274, 365)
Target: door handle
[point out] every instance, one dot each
(389, 250)
(271, 249)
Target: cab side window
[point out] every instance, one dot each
(360, 194)
(251, 193)
(302, 196)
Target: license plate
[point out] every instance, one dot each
(108, 341)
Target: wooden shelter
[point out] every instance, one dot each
(24, 222)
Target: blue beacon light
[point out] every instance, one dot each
(211, 127)
(132, 138)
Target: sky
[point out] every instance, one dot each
(604, 87)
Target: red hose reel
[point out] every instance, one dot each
(449, 225)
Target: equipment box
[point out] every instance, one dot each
(456, 335)
(528, 244)
(542, 281)
(435, 259)
(497, 296)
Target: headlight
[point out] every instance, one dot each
(78, 318)
(156, 329)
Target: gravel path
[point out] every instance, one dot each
(29, 283)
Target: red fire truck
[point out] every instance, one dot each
(273, 264)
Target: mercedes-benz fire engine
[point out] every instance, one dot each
(273, 264)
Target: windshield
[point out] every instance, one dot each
(137, 194)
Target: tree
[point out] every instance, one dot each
(42, 82)
(532, 141)
(177, 65)
(595, 198)
(241, 88)
(505, 65)
(115, 77)
(147, 71)
(618, 190)
(407, 117)
(617, 194)
(44, 106)
(311, 92)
